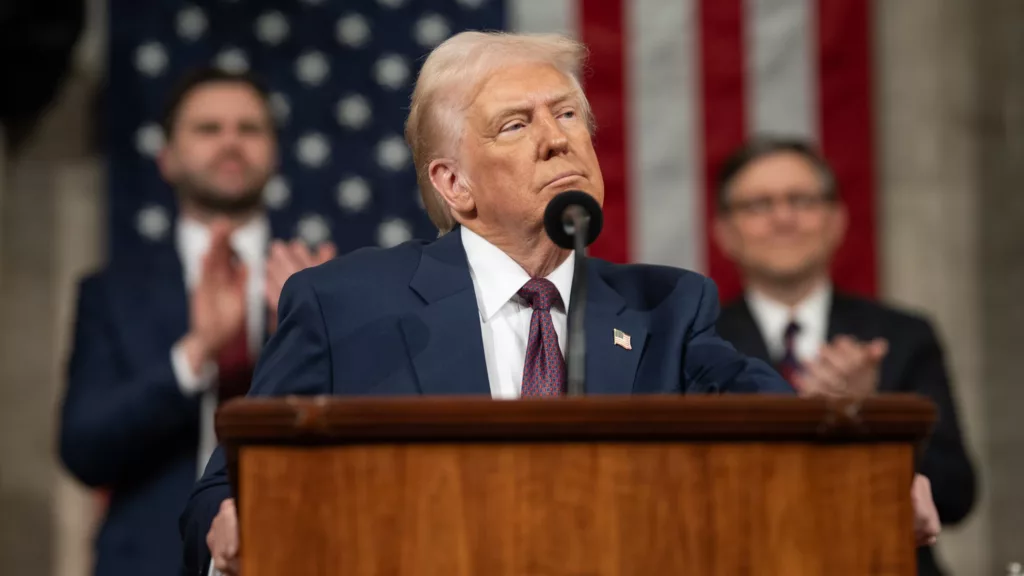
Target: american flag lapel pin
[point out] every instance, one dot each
(622, 339)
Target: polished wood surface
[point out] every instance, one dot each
(638, 486)
(330, 419)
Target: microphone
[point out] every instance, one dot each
(569, 212)
(573, 220)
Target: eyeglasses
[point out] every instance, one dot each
(795, 201)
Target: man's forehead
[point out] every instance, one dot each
(782, 167)
(524, 85)
(531, 99)
(220, 100)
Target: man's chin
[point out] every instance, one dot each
(566, 184)
(794, 274)
(227, 202)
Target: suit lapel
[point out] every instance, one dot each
(611, 368)
(841, 320)
(166, 287)
(446, 346)
(739, 327)
(443, 337)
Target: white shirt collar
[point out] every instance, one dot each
(811, 314)
(498, 277)
(193, 240)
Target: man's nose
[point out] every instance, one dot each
(553, 140)
(232, 136)
(231, 139)
(783, 212)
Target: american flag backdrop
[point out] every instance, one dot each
(675, 85)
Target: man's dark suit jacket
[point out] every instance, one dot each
(125, 425)
(404, 321)
(914, 364)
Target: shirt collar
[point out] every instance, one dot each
(498, 278)
(249, 241)
(773, 316)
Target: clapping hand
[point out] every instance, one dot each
(844, 368)
(217, 306)
(287, 258)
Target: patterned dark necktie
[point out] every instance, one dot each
(544, 371)
(788, 366)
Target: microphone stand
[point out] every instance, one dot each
(576, 348)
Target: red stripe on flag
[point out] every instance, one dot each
(602, 29)
(723, 93)
(847, 135)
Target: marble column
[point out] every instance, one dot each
(950, 91)
(1000, 156)
(50, 235)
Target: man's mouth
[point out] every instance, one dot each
(564, 178)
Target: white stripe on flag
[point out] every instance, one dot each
(666, 201)
(543, 16)
(782, 67)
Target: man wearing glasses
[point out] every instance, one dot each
(781, 219)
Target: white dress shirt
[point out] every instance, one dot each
(772, 318)
(250, 243)
(504, 317)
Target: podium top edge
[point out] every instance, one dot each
(336, 419)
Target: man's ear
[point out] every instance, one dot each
(444, 175)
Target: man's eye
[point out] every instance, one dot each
(569, 114)
(512, 126)
(251, 129)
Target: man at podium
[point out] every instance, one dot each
(498, 126)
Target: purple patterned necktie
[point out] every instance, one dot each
(788, 365)
(544, 371)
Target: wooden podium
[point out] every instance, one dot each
(624, 486)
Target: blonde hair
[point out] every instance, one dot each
(450, 77)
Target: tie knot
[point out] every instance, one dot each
(540, 294)
(792, 329)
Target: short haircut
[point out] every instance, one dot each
(198, 77)
(763, 146)
(449, 78)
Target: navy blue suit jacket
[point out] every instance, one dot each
(404, 321)
(125, 425)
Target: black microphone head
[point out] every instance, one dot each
(559, 226)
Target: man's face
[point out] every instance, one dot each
(221, 151)
(779, 222)
(526, 140)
